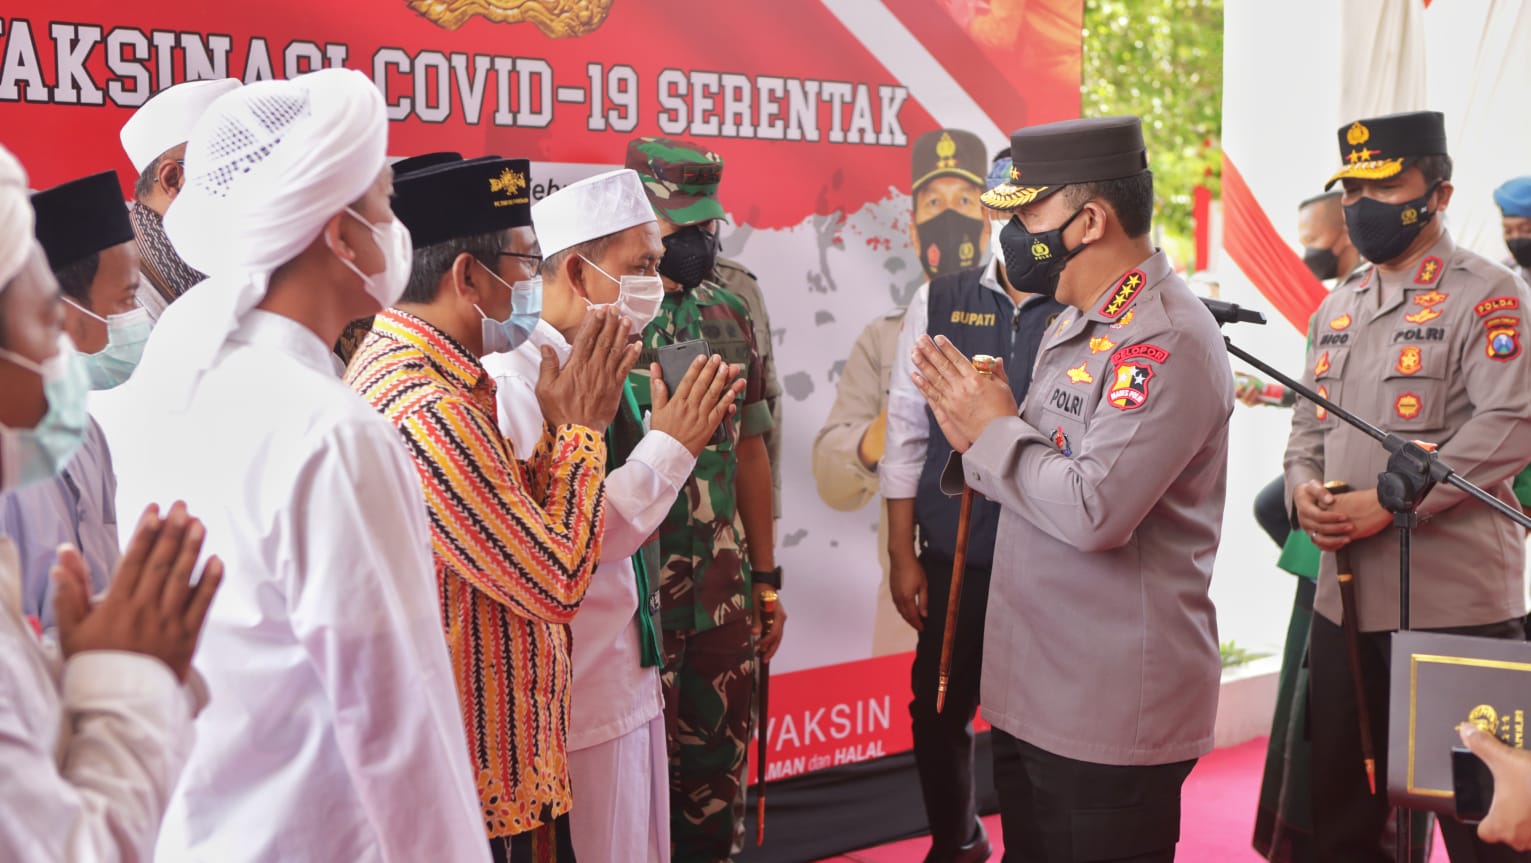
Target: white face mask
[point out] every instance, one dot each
(398, 258)
(638, 297)
(995, 226)
(126, 335)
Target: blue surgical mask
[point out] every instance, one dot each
(525, 312)
(40, 453)
(126, 335)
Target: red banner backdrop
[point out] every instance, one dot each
(1253, 243)
(812, 106)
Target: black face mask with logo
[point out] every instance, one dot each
(949, 242)
(1324, 264)
(689, 256)
(1520, 250)
(1381, 232)
(1035, 262)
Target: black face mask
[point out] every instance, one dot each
(1520, 250)
(689, 256)
(1035, 262)
(949, 242)
(1381, 232)
(1324, 264)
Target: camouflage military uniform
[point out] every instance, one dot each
(742, 283)
(705, 595)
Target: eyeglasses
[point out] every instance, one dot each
(535, 259)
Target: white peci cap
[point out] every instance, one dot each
(167, 118)
(592, 208)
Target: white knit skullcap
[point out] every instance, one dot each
(166, 120)
(592, 208)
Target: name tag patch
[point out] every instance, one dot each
(974, 319)
(1069, 402)
(1420, 334)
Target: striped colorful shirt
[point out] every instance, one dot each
(514, 545)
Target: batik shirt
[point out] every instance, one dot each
(514, 546)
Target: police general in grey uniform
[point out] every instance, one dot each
(1100, 671)
(1426, 343)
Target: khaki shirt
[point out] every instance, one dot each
(736, 278)
(1439, 360)
(862, 393)
(1101, 640)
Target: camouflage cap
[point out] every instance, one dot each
(680, 178)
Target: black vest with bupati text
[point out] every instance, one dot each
(978, 320)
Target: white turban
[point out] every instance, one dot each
(15, 218)
(266, 167)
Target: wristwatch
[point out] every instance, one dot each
(767, 577)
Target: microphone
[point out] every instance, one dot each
(1231, 313)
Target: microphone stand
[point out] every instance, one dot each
(1412, 471)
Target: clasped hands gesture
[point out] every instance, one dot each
(151, 607)
(1333, 521)
(962, 399)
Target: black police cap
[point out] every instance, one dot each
(1048, 157)
(1376, 148)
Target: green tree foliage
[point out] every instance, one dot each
(1163, 61)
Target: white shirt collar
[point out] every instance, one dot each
(547, 334)
(261, 328)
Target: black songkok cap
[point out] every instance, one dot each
(464, 199)
(80, 218)
(411, 164)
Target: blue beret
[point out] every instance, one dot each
(1514, 197)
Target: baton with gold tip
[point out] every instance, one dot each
(985, 366)
(1352, 627)
(768, 600)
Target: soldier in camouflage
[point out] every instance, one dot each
(709, 571)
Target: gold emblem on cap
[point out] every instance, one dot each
(509, 182)
(1357, 134)
(946, 150)
(558, 19)
(1015, 173)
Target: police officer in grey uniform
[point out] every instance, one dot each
(1426, 343)
(1100, 670)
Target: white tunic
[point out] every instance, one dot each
(89, 749)
(613, 693)
(335, 732)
